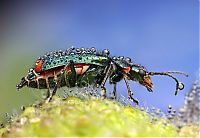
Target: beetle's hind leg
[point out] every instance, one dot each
(130, 93)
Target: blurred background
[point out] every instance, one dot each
(160, 35)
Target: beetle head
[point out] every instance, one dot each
(134, 72)
(25, 80)
(140, 74)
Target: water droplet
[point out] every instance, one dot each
(128, 59)
(82, 48)
(22, 108)
(93, 49)
(78, 50)
(7, 114)
(142, 109)
(84, 52)
(105, 52)
(158, 112)
(180, 86)
(169, 117)
(2, 125)
(121, 57)
(114, 58)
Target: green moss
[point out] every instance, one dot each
(94, 117)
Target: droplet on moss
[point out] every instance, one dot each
(22, 108)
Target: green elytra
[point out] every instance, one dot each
(58, 60)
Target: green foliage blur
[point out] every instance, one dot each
(14, 65)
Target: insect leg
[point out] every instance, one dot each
(130, 93)
(115, 91)
(73, 73)
(103, 89)
(69, 79)
(51, 93)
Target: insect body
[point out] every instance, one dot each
(79, 67)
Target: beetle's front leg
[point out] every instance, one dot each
(115, 91)
(52, 92)
(130, 93)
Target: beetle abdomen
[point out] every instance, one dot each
(45, 83)
(39, 84)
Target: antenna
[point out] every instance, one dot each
(179, 85)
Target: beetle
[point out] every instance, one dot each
(84, 66)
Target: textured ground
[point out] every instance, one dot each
(94, 117)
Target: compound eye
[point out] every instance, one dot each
(142, 72)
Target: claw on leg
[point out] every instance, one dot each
(115, 91)
(132, 98)
(103, 92)
(130, 93)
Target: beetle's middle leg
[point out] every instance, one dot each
(130, 93)
(114, 78)
(103, 89)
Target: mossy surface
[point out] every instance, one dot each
(94, 117)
